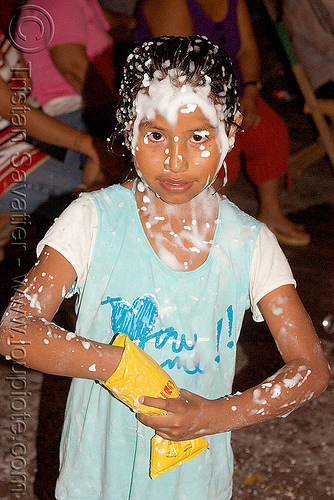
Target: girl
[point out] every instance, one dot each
(163, 259)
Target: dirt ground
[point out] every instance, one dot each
(288, 458)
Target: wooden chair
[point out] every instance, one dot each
(318, 109)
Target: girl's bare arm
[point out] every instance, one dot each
(304, 376)
(27, 334)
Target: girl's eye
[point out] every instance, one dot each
(200, 137)
(155, 136)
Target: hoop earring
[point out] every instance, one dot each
(110, 146)
(238, 127)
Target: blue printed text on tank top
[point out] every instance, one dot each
(138, 320)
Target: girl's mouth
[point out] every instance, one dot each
(175, 186)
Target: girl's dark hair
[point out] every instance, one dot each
(195, 58)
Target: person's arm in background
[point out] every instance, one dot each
(249, 62)
(51, 131)
(70, 49)
(93, 84)
(72, 62)
(168, 17)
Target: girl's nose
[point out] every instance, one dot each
(175, 160)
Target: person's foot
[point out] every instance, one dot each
(286, 231)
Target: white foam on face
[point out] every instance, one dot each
(165, 98)
(190, 108)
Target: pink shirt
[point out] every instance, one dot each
(44, 24)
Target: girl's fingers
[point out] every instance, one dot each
(155, 402)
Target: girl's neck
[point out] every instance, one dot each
(180, 235)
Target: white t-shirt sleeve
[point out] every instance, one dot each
(73, 235)
(269, 269)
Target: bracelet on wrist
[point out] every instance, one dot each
(257, 84)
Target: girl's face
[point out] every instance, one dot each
(178, 161)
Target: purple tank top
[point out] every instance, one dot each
(225, 33)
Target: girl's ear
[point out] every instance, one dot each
(237, 120)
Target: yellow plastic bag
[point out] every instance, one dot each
(165, 454)
(139, 375)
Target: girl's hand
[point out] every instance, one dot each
(249, 108)
(185, 419)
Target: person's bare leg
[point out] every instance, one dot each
(271, 213)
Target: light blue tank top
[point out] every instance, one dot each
(189, 322)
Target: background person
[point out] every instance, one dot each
(311, 27)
